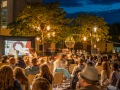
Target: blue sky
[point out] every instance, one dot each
(108, 9)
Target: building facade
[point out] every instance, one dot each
(10, 9)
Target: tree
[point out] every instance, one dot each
(41, 15)
(84, 25)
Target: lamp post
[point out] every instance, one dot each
(44, 32)
(95, 40)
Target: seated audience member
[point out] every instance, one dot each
(19, 75)
(98, 66)
(40, 84)
(58, 67)
(7, 81)
(76, 70)
(26, 60)
(114, 78)
(33, 69)
(20, 63)
(45, 72)
(4, 59)
(12, 62)
(105, 75)
(50, 66)
(88, 79)
(79, 67)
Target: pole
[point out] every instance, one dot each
(43, 45)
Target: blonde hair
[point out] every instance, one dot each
(6, 78)
(106, 68)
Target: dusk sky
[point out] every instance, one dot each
(108, 9)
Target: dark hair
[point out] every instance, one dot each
(4, 58)
(115, 66)
(34, 60)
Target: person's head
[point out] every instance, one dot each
(4, 58)
(106, 68)
(41, 61)
(27, 60)
(59, 56)
(19, 74)
(44, 69)
(80, 61)
(40, 84)
(89, 76)
(89, 64)
(115, 66)
(114, 57)
(34, 61)
(12, 60)
(6, 77)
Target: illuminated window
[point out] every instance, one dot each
(4, 14)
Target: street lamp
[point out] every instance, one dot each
(44, 32)
(95, 40)
(84, 38)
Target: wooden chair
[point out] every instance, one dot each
(30, 78)
(71, 67)
(1, 64)
(58, 78)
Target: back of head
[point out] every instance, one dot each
(12, 60)
(19, 75)
(40, 84)
(6, 77)
(34, 61)
(4, 58)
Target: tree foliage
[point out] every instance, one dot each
(84, 27)
(41, 15)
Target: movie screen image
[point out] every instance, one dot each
(20, 47)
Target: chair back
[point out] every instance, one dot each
(30, 78)
(58, 78)
(71, 67)
(1, 64)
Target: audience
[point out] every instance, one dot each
(19, 75)
(105, 75)
(96, 72)
(7, 81)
